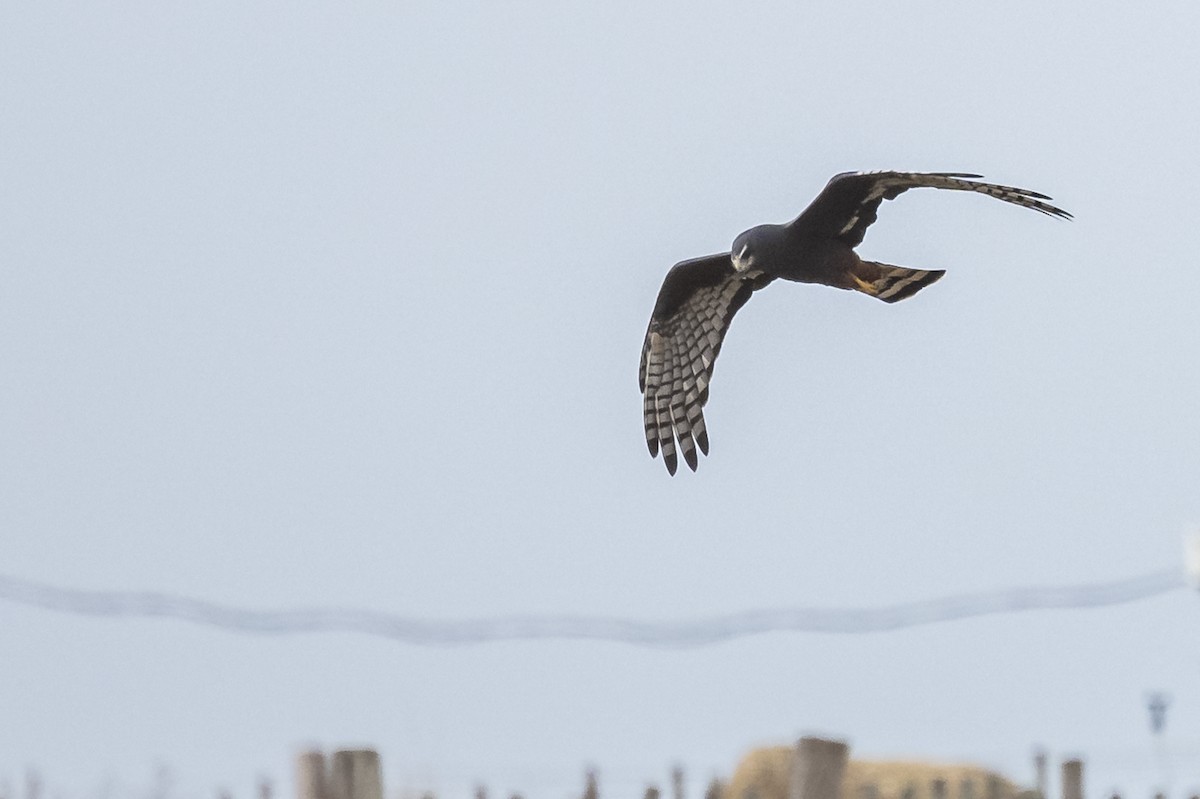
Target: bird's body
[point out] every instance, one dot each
(699, 297)
(785, 252)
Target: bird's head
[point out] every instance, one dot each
(756, 245)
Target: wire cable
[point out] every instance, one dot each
(666, 634)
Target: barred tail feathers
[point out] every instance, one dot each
(894, 283)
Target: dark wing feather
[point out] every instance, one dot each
(695, 305)
(850, 201)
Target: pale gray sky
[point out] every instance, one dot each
(342, 304)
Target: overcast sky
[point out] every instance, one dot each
(341, 304)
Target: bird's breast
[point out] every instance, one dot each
(822, 261)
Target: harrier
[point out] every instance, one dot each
(699, 297)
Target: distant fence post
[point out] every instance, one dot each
(311, 780)
(937, 789)
(1072, 779)
(355, 775)
(817, 769)
(1039, 772)
(33, 784)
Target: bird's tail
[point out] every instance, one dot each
(893, 283)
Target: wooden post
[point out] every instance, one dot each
(652, 792)
(1039, 772)
(937, 789)
(817, 769)
(677, 782)
(311, 780)
(591, 785)
(355, 775)
(1072, 779)
(33, 784)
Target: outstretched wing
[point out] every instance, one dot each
(849, 202)
(695, 305)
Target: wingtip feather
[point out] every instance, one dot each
(689, 457)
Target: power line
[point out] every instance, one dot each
(667, 634)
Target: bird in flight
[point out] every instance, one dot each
(699, 297)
